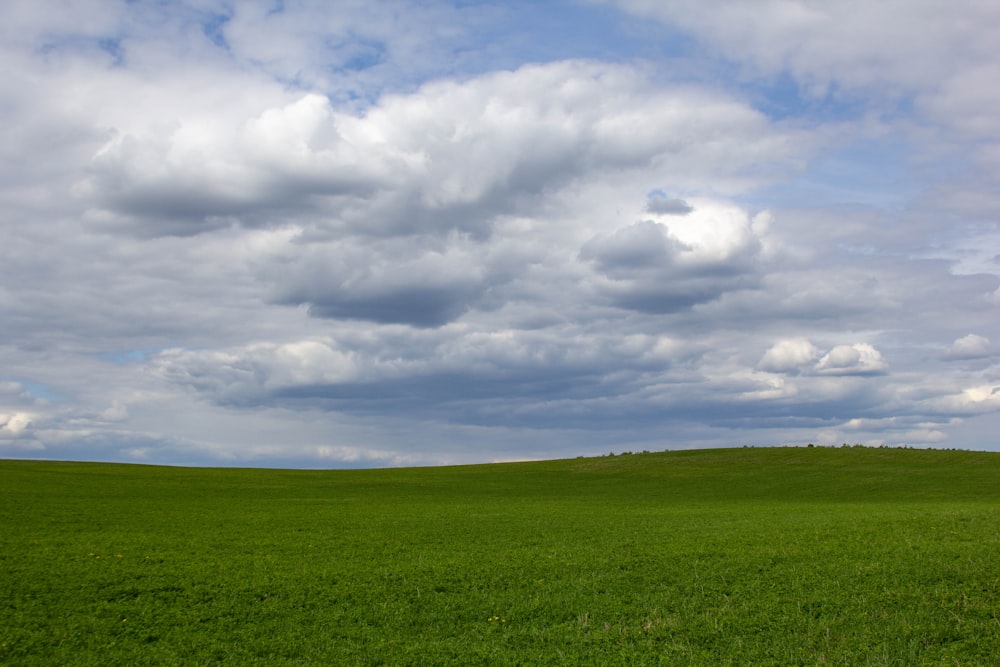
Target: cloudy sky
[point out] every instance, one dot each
(360, 233)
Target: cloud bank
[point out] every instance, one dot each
(394, 234)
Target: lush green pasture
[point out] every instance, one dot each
(785, 556)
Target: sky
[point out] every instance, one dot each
(376, 233)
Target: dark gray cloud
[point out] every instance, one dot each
(420, 306)
(636, 248)
(668, 206)
(424, 282)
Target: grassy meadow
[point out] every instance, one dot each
(751, 556)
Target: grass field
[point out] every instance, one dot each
(754, 556)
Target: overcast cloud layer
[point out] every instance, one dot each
(396, 233)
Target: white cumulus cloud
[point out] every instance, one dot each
(789, 356)
(16, 423)
(971, 346)
(856, 359)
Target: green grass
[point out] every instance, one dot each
(784, 556)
